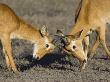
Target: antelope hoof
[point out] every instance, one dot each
(91, 54)
(15, 70)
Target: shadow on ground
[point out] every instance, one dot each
(45, 62)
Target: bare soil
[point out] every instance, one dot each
(56, 14)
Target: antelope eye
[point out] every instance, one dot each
(74, 47)
(46, 45)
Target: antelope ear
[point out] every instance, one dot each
(78, 34)
(60, 33)
(44, 31)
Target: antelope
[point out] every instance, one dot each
(11, 26)
(91, 15)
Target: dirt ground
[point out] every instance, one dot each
(56, 14)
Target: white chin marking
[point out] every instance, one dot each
(34, 56)
(35, 51)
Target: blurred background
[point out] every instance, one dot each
(56, 14)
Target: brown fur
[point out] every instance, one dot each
(11, 26)
(93, 16)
